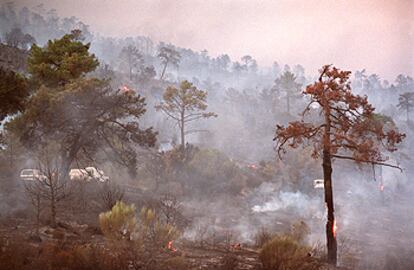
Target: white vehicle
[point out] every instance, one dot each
(88, 174)
(318, 183)
(32, 175)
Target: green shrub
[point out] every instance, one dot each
(153, 231)
(120, 223)
(284, 253)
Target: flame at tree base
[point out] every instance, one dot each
(171, 247)
(334, 228)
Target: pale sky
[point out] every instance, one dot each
(352, 34)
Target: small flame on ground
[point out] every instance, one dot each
(171, 247)
(252, 166)
(126, 89)
(382, 187)
(236, 246)
(334, 228)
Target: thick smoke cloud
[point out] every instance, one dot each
(378, 35)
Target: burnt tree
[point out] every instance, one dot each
(347, 129)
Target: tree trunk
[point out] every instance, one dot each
(182, 132)
(288, 104)
(38, 209)
(327, 179)
(130, 73)
(408, 118)
(69, 157)
(163, 70)
(330, 224)
(52, 211)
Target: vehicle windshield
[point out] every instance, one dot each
(27, 172)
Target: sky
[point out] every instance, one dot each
(377, 35)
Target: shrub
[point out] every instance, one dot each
(262, 237)
(119, 223)
(229, 261)
(300, 231)
(153, 231)
(110, 194)
(284, 253)
(175, 263)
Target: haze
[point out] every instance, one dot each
(376, 35)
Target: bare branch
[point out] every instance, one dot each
(369, 161)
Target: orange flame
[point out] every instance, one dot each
(236, 246)
(252, 166)
(170, 246)
(334, 228)
(382, 187)
(125, 89)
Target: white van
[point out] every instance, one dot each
(32, 175)
(88, 174)
(318, 183)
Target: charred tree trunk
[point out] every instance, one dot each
(163, 71)
(408, 116)
(52, 210)
(69, 156)
(288, 103)
(182, 132)
(327, 179)
(330, 224)
(130, 72)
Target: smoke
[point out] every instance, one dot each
(294, 202)
(375, 223)
(349, 34)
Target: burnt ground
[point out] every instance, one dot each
(196, 257)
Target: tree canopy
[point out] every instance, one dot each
(14, 91)
(168, 55)
(185, 104)
(353, 127)
(85, 116)
(406, 103)
(347, 129)
(287, 87)
(61, 60)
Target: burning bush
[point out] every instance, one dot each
(284, 253)
(137, 241)
(153, 231)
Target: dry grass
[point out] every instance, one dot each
(284, 253)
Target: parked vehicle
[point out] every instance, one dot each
(88, 174)
(32, 175)
(318, 183)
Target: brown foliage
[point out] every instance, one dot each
(349, 120)
(284, 253)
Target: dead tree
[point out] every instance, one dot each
(34, 196)
(50, 186)
(110, 194)
(347, 129)
(170, 207)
